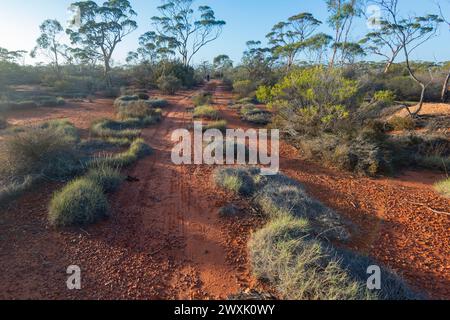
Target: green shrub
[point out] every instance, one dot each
(387, 97)
(48, 149)
(206, 112)
(238, 181)
(244, 88)
(281, 196)
(301, 267)
(219, 125)
(114, 129)
(402, 123)
(169, 84)
(158, 103)
(81, 202)
(202, 98)
(15, 186)
(138, 149)
(443, 187)
(107, 177)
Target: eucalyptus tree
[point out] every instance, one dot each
(11, 56)
(187, 29)
(102, 28)
(153, 47)
(222, 63)
(49, 44)
(384, 42)
(341, 20)
(289, 38)
(411, 33)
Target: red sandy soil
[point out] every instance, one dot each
(165, 240)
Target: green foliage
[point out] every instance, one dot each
(169, 84)
(263, 94)
(206, 112)
(385, 96)
(81, 202)
(301, 267)
(108, 178)
(244, 88)
(202, 98)
(443, 187)
(402, 123)
(114, 129)
(47, 149)
(138, 149)
(219, 125)
(238, 181)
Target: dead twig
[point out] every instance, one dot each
(429, 208)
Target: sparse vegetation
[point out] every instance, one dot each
(206, 112)
(402, 123)
(219, 125)
(443, 187)
(202, 98)
(108, 178)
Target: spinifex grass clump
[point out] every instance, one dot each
(107, 177)
(443, 187)
(81, 202)
(30, 154)
(206, 112)
(202, 98)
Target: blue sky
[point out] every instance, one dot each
(246, 20)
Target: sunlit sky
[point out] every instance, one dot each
(246, 20)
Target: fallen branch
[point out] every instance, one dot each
(429, 208)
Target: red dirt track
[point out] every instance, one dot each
(165, 239)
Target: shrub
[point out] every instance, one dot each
(301, 267)
(47, 149)
(81, 202)
(262, 118)
(244, 88)
(282, 196)
(107, 177)
(219, 125)
(14, 187)
(402, 123)
(138, 149)
(3, 123)
(202, 98)
(169, 84)
(114, 129)
(443, 187)
(206, 112)
(158, 103)
(386, 97)
(238, 181)
(134, 109)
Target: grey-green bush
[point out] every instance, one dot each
(81, 202)
(108, 178)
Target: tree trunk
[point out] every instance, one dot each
(388, 66)
(106, 74)
(444, 94)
